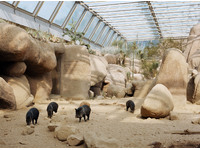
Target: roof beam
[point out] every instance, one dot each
(69, 15)
(108, 44)
(154, 17)
(88, 24)
(92, 6)
(55, 12)
(80, 19)
(101, 33)
(104, 40)
(94, 30)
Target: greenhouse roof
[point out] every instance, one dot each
(106, 21)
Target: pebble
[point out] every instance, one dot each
(7, 116)
(52, 127)
(28, 130)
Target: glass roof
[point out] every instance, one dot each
(136, 20)
(28, 6)
(47, 9)
(63, 12)
(105, 21)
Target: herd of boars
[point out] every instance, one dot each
(82, 111)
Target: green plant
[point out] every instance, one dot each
(128, 75)
(118, 43)
(73, 34)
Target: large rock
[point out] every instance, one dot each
(92, 140)
(116, 81)
(174, 75)
(41, 86)
(98, 69)
(28, 130)
(127, 62)
(17, 45)
(116, 75)
(193, 42)
(115, 90)
(194, 62)
(75, 73)
(158, 103)
(111, 59)
(14, 69)
(21, 88)
(142, 88)
(120, 58)
(64, 131)
(7, 97)
(130, 89)
(138, 77)
(75, 140)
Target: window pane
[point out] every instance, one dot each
(76, 15)
(47, 9)
(91, 27)
(103, 35)
(84, 22)
(28, 5)
(108, 38)
(98, 31)
(63, 12)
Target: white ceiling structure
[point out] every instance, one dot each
(106, 21)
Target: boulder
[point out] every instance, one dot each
(75, 140)
(21, 90)
(52, 127)
(127, 62)
(193, 42)
(13, 69)
(116, 90)
(92, 140)
(17, 45)
(41, 86)
(75, 73)
(120, 58)
(142, 88)
(64, 131)
(110, 58)
(136, 70)
(130, 89)
(14, 42)
(174, 75)
(138, 77)
(194, 62)
(158, 103)
(115, 81)
(98, 69)
(28, 130)
(7, 97)
(116, 75)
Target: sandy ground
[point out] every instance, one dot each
(108, 118)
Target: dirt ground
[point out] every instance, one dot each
(108, 117)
